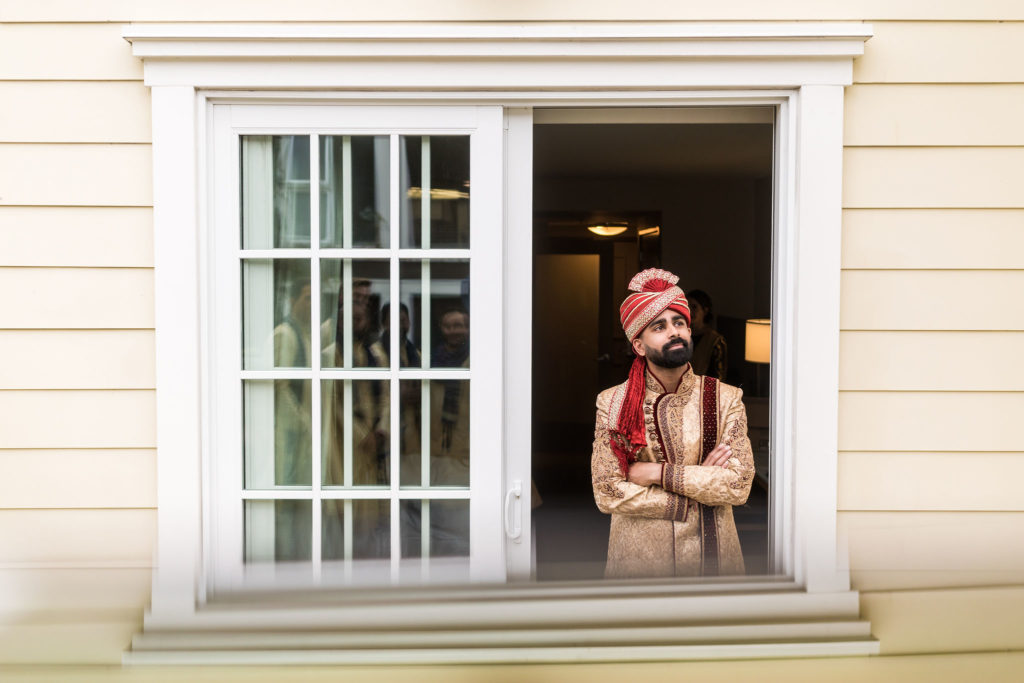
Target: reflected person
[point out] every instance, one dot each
(368, 430)
(292, 423)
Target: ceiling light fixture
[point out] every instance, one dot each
(608, 229)
(644, 232)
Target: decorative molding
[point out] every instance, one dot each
(486, 56)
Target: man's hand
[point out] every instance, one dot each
(719, 456)
(645, 473)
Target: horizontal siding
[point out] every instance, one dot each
(943, 52)
(76, 359)
(929, 177)
(938, 421)
(933, 238)
(81, 638)
(920, 542)
(76, 236)
(76, 175)
(931, 300)
(77, 419)
(103, 111)
(572, 10)
(72, 589)
(929, 668)
(85, 478)
(979, 619)
(61, 52)
(918, 361)
(933, 115)
(955, 481)
(77, 537)
(57, 298)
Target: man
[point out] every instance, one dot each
(408, 354)
(671, 455)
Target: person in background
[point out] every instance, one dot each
(710, 352)
(409, 355)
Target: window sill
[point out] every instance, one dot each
(583, 622)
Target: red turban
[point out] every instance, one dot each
(655, 292)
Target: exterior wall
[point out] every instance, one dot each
(933, 229)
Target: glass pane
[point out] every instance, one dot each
(275, 314)
(277, 443)
(353, 341)
(448, 524)
(278, 530)
(366, 522)
(356, 456)
(442, 432)
(435, 294)
(354, 189)
(275, 191)
(437, 190)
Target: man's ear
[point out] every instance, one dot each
(638, 347)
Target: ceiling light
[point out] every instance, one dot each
(644, 232)
(608, 229)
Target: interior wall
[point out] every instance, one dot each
(710, 230)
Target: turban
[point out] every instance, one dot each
(654, 292)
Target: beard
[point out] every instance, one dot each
(674, 354)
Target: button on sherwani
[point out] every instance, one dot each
(684, 526)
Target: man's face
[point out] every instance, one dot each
(454, 329)
(666, 342)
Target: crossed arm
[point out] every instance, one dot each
(659, 490)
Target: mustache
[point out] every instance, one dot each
(682, 343)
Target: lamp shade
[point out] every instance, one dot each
(759, 341)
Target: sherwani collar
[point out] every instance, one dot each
(686, 382)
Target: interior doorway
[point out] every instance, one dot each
(616, 191)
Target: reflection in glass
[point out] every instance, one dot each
(275, 314)
(435, 184)
(354, 187)
(275, 191)
(278, 530)
(448, 524)
(441, 431)
(436, 295)
(356, 432)
(353, 341)
(366, 522)
(277, 442)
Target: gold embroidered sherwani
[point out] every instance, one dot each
(663, 530)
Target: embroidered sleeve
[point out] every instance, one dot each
(714, 485)
(613, 493)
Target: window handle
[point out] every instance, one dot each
(514, 493)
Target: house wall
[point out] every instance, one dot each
(930, 459)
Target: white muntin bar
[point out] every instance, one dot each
(347, 524)
(425, 537)
(425, 192)
(314, 349)
(394, 358)
(425, 383)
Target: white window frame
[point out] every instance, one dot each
(800, 68)
(223, 330)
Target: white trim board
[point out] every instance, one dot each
(799, 69)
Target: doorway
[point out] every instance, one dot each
(617, 191)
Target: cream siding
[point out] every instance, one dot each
(76, 236)
(930, 456)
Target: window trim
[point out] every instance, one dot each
(801, 68)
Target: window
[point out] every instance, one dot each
(494, 75)
(364, 457)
